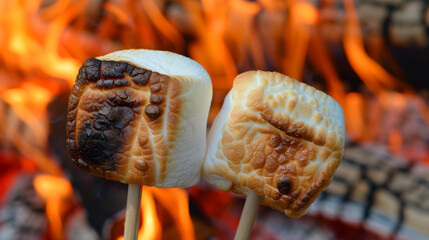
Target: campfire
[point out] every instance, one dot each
(370, 56)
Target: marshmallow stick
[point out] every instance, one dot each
(132, 216)
(248, 216)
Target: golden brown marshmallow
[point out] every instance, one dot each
(277, 137)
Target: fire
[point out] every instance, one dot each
(177, 208)
(44, 42)
(29, 104)
(151, 227)
(303, 17)
(29, 101)
(305, 12)
(389, 92)
(162, 24)
(55, 191)
(376, 78)
(175, 202)
(355, 122)
(23, 48)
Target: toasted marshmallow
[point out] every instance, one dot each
(277, 137)
(139, 116)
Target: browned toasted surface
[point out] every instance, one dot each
(113, 108)
(280, 138)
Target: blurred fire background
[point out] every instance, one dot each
(370, 55)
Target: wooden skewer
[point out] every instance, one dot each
(132, 215)
(248, 216)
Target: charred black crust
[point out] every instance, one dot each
(284, 185)
(98, 142)
(153, 111)
(111, 74)
(156, 99)
(95, 141)
(156, 87)
(112, 69)
(95, 148)
(141, 76)
(102, 136)
(123, 97)
(91, 62)
(112, 83)
(89, 72)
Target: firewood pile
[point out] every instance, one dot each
(377, 191)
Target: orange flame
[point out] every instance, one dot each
(354, 116)
(25, 49)
(375, 77)
(297, 36)
(163, 25)
(175, 202)
(305, 12)
(178, 209)
(117, 11)
(151, 227)
(321, 59)
(29, 104)
(210, 49)
(54, 190)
